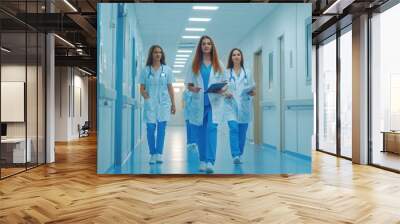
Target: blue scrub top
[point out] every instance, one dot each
(205, 75)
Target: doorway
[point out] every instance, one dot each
(281, 67)
(257, 98)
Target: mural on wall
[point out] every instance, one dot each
(200, 91)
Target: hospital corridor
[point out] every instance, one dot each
(274, 40)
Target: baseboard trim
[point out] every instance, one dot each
(299, 155)
(269, 146)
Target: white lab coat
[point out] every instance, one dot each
(196, 107)
(239, 107)
(158, 106)
(187, 99)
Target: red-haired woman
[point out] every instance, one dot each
(206, 109)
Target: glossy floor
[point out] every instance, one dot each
(180, 160)
(387, 159)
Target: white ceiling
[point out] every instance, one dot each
(164, 24)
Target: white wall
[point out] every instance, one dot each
(12, 73)
(33, 126)
(68, 81)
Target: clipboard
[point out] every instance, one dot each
(216, 87)
(248, 89)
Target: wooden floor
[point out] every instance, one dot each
(70, 191)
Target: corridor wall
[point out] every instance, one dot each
(71, 102)
(119, 104)
(292, 22)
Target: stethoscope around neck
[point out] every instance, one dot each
(162, 72)
(246, 81)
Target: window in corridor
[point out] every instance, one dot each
(327, 96)
(346, 92)
(385, 89)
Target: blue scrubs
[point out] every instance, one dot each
(156, 148)
(237, 137)
(207, 132)
(189, 133)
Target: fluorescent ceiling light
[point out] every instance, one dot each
(190, 37)
(86, 72)
(176, 71)
(195, 19)
(195, 29)
(184, 51)
(70, 5)
(180, 62)
(182, 55)
(5, 50)
(204, 7)
(181, 59)
(179, 80)
(179, 66)
(65, 41)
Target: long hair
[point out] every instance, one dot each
(230, 61)
(150, 55)
(199, 57)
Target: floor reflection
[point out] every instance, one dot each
(179, 160)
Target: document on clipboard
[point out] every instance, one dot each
(248, 89)
(216, 87)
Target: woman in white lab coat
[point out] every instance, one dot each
(238, 102)
(156, 88)
(206, 109)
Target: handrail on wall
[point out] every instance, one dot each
(290, 105)
(299, 105)
(268, 105)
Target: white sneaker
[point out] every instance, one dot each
(210, 168)
(159, 158)
(192, 146)
(236, 160)
(153, 159)
(202, 166)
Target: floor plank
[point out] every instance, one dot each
(70, 191)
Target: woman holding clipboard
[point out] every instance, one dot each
(241, 88)
(206, 107)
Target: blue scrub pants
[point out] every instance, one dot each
(237, 137)
(189, 133)
(207, 137)
(151, 140)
